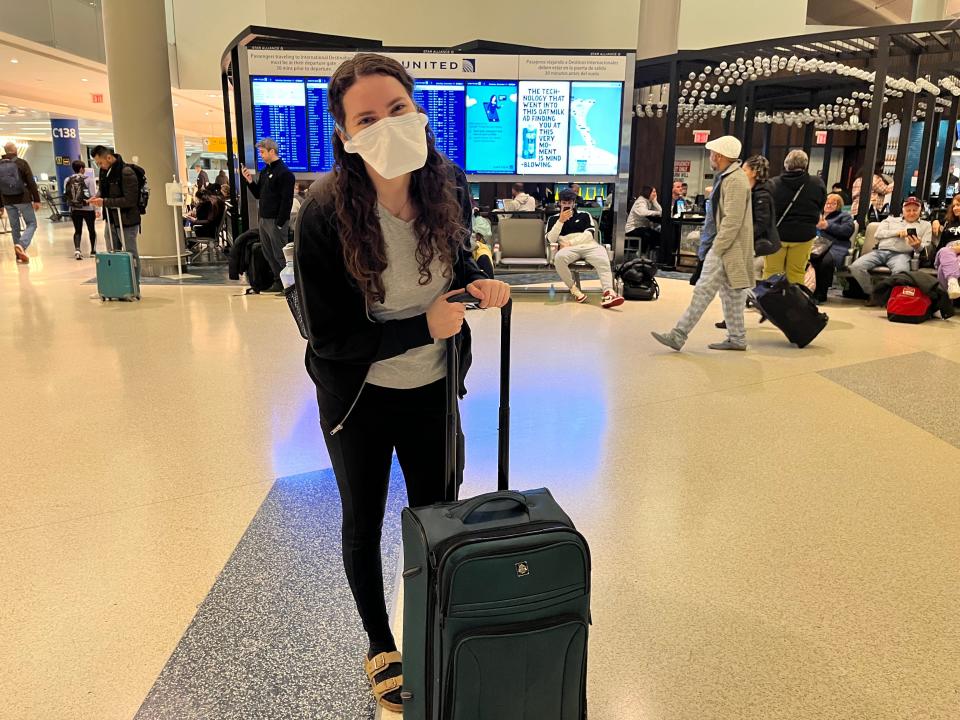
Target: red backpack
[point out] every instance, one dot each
(909, 304)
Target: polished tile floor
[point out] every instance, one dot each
(775, 534)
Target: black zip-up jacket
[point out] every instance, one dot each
(929, 284)
(344, 341)
(764, 216)
(800, 224)
(120, 188)
(274, 188)
(30, 191)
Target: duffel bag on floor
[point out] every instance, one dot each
(908, 304)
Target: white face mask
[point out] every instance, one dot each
(392, 146)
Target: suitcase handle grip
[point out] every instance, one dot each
(464, 511)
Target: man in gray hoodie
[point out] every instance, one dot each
(897, 239)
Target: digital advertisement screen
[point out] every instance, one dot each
(491, 127)
(321, 126)
(595, 113)
(544, 120)
(280, 113)
(445, 104)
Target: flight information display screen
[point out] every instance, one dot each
(445, 104)
(543, 128)
(280, 113)
(321, 126)
(491, 129)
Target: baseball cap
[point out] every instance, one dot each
(726, 145)
(912, 201)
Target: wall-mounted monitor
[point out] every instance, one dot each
(595, 115)
(280, 113)
(445, 104)
(321, 126)
(544, 125)
(491, 127)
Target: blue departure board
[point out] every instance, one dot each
(280, 113)
(321, 125)
(491, 127)
(445, 104)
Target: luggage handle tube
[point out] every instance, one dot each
(451, 465)
(464, 511)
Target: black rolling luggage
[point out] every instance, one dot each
(791, 308)
(496, 596)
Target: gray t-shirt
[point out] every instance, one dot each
(406, 298)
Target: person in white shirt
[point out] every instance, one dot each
(645, 208)
(898, 238)
(575, 235)
(521, 201)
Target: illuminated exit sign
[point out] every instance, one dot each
(700, 137)
(96, 98)
(821, 137)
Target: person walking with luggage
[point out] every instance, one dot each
(19, 198)
(381, 246)
(799, 198)
(79, 189)
(274, 189)
(832, 247)
(728, 266)
(120, 199)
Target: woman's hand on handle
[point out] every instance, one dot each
(490, 293)
(444, 319)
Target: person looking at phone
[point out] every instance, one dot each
(574, 233)
(273, 188)
(898, 238)
(381, 248)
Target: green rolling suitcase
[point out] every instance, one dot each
(116, 274)
(496, 595)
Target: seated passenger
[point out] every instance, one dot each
(832, 246)
(897, 239)
(574, 233)
(521, 202)
(645, 213)
(206, 218)
(482, 242)
(948, 250)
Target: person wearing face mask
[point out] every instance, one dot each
(381, 244)
(728, 266)
(832, 246)
(274, 190)
(573, 232)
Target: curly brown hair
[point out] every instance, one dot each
(438, 224)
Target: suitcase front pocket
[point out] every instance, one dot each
(527, 671)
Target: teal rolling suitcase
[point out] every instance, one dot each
(116, 274)
(496, 596)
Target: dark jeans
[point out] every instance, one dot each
(273, 237)
(825, 266)
(412, 422)
(80, 217)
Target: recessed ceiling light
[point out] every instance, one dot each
(83, 80)
(14, 61)
(213, 95)
(176, 105)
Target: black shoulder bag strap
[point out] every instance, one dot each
(790, 206)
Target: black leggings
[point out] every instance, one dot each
(79, 217)
(412, 422)
(824, 267)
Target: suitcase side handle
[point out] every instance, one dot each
(464, 511)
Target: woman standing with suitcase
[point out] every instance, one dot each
(381, 245)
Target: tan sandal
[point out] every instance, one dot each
(376, 665)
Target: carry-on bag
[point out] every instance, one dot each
(908, 304)
(496, 593)
(791, 308)
(116, 273)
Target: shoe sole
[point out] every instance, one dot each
(735, 349)
(665, 343)
(581, 299)
(616, 302)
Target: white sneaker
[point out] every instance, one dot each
(953, 289)
(77, 255)
(578, 294)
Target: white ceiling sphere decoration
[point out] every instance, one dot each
(739, 81)
(701, 77)
(708, 69)
(723, 65)
(713, 95)
(726, 88)
(753, 77)
(782, 64)
(698, 85)
(692, 76)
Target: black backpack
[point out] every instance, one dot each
(638, 279)
(143, 187)
(78, 196)
(11, 181)
(260, 275)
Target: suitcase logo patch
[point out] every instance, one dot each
(523, 569)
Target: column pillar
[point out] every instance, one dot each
(659, 28)
(138, 70)
(66, 148)
(182, 159)
(928, 10)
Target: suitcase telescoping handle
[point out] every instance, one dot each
(503, 440)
